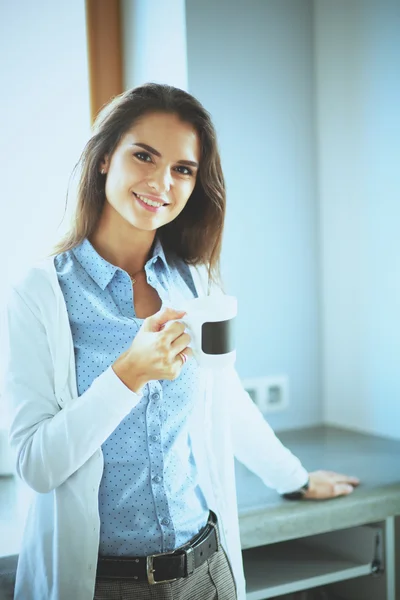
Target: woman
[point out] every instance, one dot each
(127, 444)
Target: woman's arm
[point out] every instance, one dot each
(256, 445)
(52, 443)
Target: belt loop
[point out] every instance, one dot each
(215, 527)
(190, 566)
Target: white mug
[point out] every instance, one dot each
(210, 321)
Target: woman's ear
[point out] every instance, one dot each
(104, 165)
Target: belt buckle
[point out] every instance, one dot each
(150, 570)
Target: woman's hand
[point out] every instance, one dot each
(155, 351)
(327, 484)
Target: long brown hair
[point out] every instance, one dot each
(196, 233)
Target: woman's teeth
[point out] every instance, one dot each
(150, 202)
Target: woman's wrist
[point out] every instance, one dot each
(126, 372)
(299, 493)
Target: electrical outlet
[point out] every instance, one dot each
(276, 394)
(253, 388)
(253, 393)
(270, 394)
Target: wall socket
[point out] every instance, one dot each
(270, 394)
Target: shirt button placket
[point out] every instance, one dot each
(156, 455)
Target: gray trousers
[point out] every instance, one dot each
(213, 580)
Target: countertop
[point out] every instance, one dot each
(264, 516)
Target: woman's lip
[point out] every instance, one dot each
(153, 209)
(153, 198)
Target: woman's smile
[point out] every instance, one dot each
(150, 202)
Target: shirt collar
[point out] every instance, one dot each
(95, 265)
(158, 252)
(102, 271)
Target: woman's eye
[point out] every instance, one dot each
(184, 170)
(143, 156)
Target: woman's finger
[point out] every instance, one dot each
(336, 477)
(184, 355)
(339, 478)
(160, 319)
(172, 331)
(342, 489)
(180, 343)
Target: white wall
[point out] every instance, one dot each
(251, 64)
(357, 49)
(154, 42)
(44, 123)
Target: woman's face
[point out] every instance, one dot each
(153, 170)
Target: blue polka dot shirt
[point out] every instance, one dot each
(149, 497)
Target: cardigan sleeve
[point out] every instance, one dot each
(51, 443)
(256, 445)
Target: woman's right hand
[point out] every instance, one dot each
(155, 351)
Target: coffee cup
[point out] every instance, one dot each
(210, 322)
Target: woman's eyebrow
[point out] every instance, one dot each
(190, 163)
(148, 148)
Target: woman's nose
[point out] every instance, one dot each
(160, 180)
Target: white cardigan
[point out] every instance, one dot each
(57, 438)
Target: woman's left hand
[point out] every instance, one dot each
(328, 484)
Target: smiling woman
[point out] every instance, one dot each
(150, 206)
(129, 445)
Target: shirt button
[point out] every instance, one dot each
(155, 396)
(166, 521)
(154, 438)
(157, 479)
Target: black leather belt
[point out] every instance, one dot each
(162, 568)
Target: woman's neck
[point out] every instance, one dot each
(121, 244)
